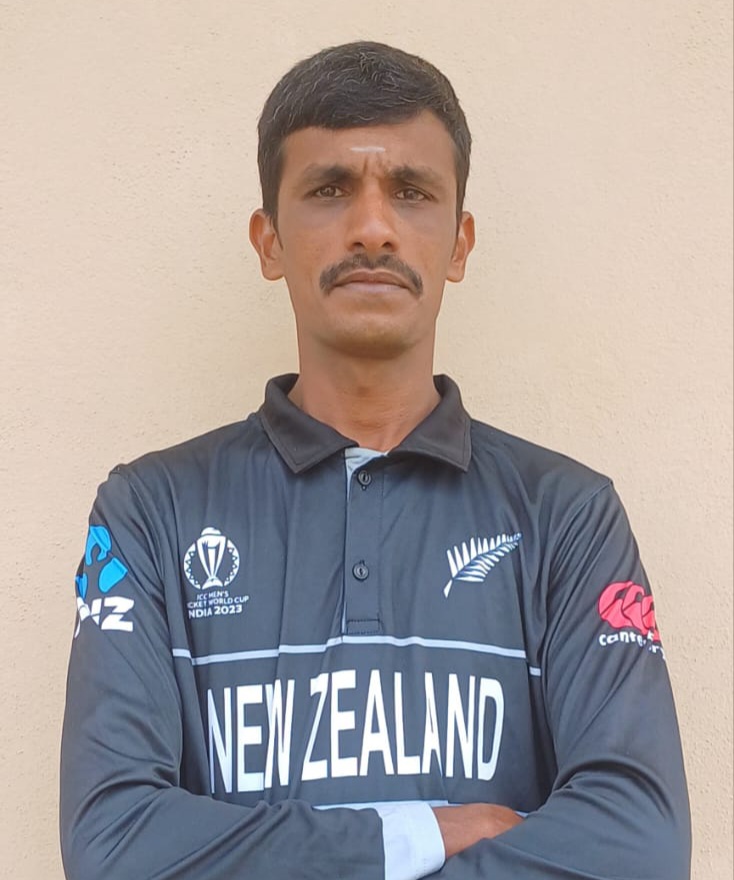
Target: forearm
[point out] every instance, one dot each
(573, 838)
(604, 821)
(170, 833)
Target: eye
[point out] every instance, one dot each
(410, 194)
(328, 191)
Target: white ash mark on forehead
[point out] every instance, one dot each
(367, 149)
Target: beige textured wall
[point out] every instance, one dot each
(596, 317)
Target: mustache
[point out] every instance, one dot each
(330, 276)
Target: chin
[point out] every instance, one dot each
(382, 345)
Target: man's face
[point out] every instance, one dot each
(366, 235)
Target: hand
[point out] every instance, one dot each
(462, 826)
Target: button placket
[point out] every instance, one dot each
(362, 555)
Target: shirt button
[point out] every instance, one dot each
(364, 478)
(360, 571)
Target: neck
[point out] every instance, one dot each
(377, 403)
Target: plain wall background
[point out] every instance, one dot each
(596, 317)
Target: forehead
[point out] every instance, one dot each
(421, 141)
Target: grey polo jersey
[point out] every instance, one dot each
(470, 622)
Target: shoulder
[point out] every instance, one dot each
(535, 471)
(195, 464)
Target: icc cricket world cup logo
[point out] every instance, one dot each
(211, 561)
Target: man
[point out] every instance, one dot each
(359, 634)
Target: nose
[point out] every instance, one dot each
(371, 224)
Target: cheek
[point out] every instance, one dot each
(307, 222)
(309, 237)
(435, 259)
(301, 250)
(431, 236)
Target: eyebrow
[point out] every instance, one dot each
(420, 175)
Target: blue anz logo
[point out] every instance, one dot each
(111, 573)
(106, 572)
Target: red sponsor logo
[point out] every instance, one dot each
(626, 604)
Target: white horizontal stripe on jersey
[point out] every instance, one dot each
(410, 641)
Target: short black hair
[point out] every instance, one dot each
(356, 84)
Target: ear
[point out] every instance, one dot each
(462, 248)
(265, 240)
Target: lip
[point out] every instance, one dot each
(379, 282)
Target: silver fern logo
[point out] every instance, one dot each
(472, 563)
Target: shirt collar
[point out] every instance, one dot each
(303, 442)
